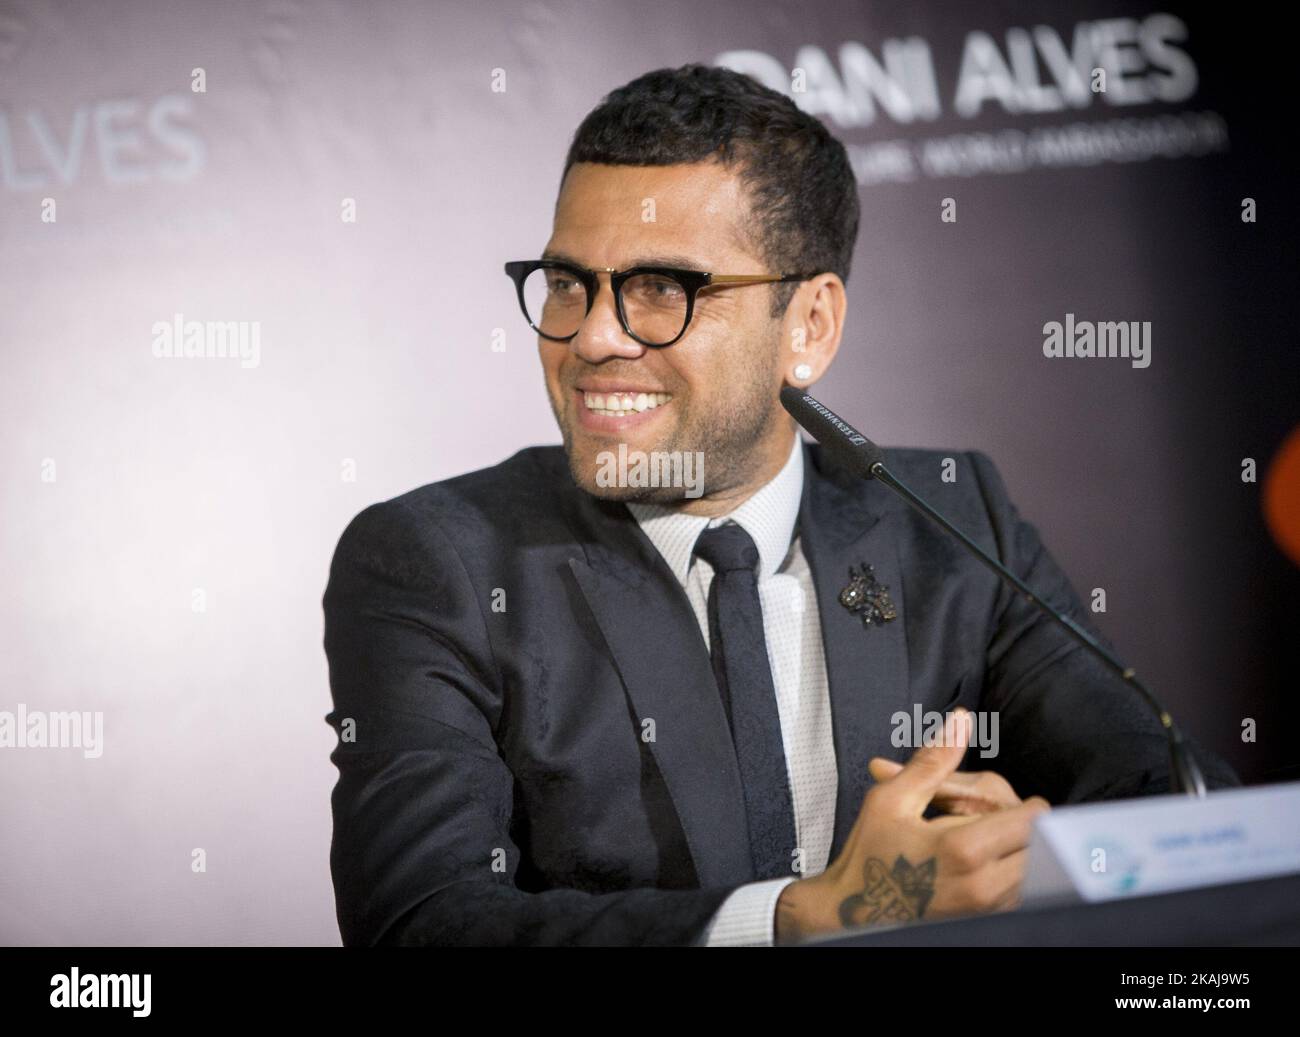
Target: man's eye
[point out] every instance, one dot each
(658, 289)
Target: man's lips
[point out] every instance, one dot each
(618, 407)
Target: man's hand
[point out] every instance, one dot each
(962, 793)
(896, 866)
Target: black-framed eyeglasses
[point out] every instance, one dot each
(654, 303)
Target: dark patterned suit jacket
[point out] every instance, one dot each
(497, 640)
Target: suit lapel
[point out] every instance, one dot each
(653, 636)
(655, 641)
(841, 526)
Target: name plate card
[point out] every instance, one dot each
(1158, 844)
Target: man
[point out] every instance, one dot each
(581, 704)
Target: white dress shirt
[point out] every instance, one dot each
(792, 628)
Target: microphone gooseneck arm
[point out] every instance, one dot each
(862, 457)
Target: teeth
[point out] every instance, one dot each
(619, 404)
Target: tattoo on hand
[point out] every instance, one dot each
(899, 894)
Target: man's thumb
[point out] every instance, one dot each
(931, 764)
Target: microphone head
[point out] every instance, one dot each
(843, 444)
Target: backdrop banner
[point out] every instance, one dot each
(250, 282)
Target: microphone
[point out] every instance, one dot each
(853, 451)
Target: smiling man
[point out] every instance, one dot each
(714, 386)
(583, 708)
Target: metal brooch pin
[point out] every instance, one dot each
(865, 595)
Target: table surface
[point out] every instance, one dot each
(1262, 912)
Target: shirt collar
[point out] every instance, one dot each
(768, 516)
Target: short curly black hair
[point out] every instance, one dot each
(803, 196)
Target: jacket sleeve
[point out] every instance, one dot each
(422, 849)
(1071, 731)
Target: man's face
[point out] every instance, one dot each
(722, 376)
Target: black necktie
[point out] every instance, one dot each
(740, 665)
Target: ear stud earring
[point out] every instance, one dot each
(803, 372)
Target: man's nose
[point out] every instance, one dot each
(601, 335)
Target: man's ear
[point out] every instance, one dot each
(811, 329)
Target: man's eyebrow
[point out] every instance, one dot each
(682, 262)
(560, 257)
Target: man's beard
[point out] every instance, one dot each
(723, 438)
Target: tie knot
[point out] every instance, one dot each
(728, 548)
